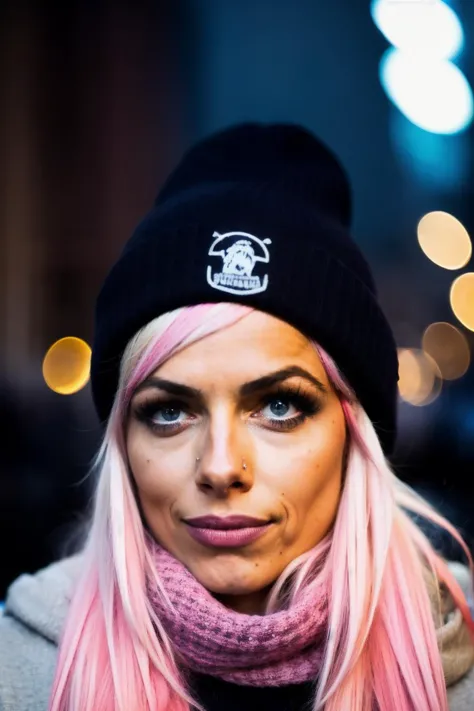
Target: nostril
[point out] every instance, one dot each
(220, 484)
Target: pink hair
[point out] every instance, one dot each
(115, 655)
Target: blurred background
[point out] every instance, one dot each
(100, 99)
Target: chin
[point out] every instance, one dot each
(226, 576)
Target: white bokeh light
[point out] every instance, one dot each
(426, 28)
(433, 94)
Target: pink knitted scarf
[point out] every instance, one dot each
(282, 648)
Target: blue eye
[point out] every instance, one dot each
(163, 417)
(280, 408)
(168, 414)
(287, 409)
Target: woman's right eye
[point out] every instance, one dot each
(167, 415)
(163, 417)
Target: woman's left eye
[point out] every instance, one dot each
(280, 408)
(285, 411)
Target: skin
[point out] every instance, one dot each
(293, 476)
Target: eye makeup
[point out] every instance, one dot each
(164, 416)
(303, 402)
(283, 408)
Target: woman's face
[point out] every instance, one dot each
(243, 423)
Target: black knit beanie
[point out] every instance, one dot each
(259, 215)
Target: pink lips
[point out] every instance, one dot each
(226, 532)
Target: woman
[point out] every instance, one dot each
(249, 545)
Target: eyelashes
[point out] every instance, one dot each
(283, 409)
(170, 410)
(304, 405)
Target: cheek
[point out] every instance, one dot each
(309, 478)
(158, 474)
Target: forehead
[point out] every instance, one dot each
(252, 347)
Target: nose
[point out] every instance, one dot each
(223, 466)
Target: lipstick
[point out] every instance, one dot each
(226, 532)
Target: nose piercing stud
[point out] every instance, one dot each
(198, 459)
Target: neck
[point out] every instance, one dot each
(250, 604)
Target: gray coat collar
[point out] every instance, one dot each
(41, 601)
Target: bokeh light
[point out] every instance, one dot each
(420, 27)
(420, 380)
(449, 348)
(66, 365)
(432, 93)
(462, 299)
(444, 240)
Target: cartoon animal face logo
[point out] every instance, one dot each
(239, 259)
(240, 252)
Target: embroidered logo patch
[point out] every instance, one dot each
(239, 252)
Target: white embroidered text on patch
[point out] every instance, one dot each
(239, 252)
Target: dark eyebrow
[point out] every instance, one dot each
(170, 387)
(267, 381)
(251, 388)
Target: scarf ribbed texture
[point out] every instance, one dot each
(285, 647)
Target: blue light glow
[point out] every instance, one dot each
(437, 161)
(426, 28)
(433, 94)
